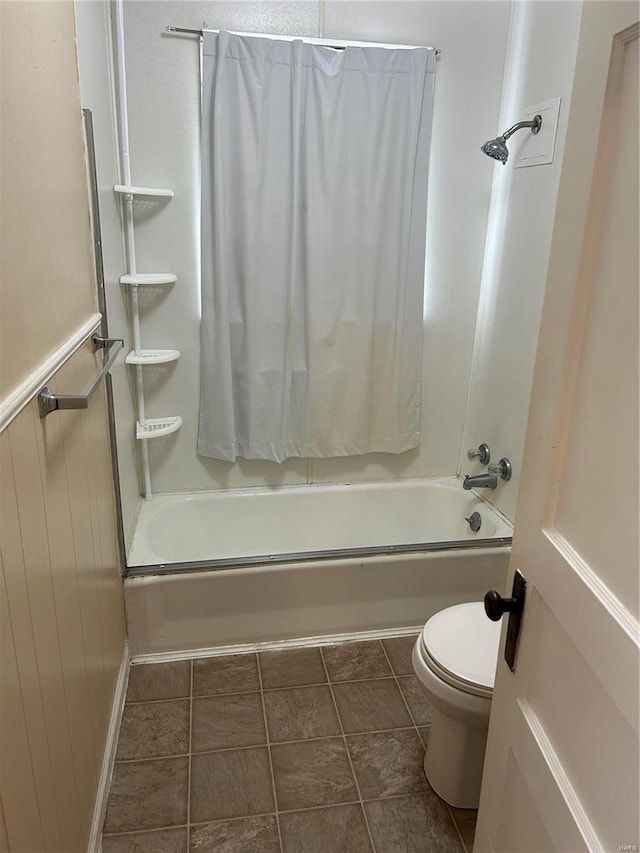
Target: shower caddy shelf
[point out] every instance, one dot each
(146, 428)
(152, 356)
(149, 278)
(156, 427)
(125, 189)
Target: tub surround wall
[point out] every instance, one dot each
(519, 241)
(163, 74)
(183, 612)
(474, 90)
(93, 28)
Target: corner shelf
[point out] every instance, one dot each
(152, 356)
(124, 189)
(149, 278)
(157, 427)
(154, 199)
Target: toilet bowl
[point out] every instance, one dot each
(455, 660)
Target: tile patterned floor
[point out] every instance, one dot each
(314, 750)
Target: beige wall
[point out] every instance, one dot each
(46, 282)
(61, 620)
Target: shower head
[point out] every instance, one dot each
(497, 148)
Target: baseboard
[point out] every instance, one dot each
(108, 758)
(271, 645)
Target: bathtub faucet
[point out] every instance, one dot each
(480, 481)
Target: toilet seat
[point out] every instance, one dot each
(460, 646)
(451, 680)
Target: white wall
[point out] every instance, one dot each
(541, 66)
(164, 117)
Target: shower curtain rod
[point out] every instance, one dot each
(338, 45)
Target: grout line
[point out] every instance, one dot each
(266, 734)
(272, 689)
(265, 743)
(322, 807)
(235, 819)
(239, 818)
(425, 726)
(153, 701)
(345, 734)
(189, 765)
(152, 758)
(463, 846)
(341, 734)
(429, 793)
(346, 746)
(145, 831)
(224, 695)
(338, 681)
(406, 704)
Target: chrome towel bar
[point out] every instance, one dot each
(49, 402)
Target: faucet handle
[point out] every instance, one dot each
(502, 468)
(482, 454)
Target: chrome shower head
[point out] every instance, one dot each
(497, 148)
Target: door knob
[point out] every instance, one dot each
(495, 605)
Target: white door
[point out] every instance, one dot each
(561, 771)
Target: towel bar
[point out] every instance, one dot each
(49, 402)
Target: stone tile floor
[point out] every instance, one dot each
(308, 750)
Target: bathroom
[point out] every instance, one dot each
(272, 585)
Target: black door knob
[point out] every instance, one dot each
(495, 605)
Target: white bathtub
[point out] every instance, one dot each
(239, 527)
(306, 562)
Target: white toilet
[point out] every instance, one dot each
(455, 659)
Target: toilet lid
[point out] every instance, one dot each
(463, 642)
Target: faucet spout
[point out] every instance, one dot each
(480, 481)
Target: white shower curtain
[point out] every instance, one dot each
(314, 191)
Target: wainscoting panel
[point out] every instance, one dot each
(63, 618)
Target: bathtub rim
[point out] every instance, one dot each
(226, 563)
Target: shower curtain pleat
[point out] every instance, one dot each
(314, 191)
